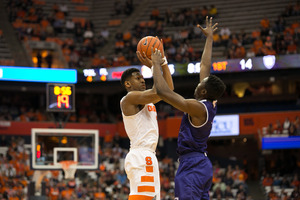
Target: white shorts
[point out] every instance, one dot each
(142, 170)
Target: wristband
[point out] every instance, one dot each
(165, 62)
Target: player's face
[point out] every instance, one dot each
(200, 88)
(137, 82)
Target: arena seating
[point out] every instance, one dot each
(5, 54)
(235, 14)
(104, 15)
(280, 167)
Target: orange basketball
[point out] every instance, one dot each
(147, 42)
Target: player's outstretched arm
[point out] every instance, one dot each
(164, 65)
(191, 106)
(166, 71)
(207, 52)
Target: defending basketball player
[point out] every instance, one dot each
(140, 121)
(194, 175)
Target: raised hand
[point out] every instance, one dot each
(210, 29)
(156, 56)
(163, 52)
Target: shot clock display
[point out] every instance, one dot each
(60, 97)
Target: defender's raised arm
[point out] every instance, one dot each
(207, 52)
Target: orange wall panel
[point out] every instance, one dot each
(168, 128)
(172, 127)
(121, 129)
(162, 128)
(24, 128)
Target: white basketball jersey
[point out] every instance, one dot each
(142, 128)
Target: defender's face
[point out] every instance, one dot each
(199, 89)
(137, 82)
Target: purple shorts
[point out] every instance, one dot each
(194, 177)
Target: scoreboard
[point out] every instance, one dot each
(60, 97)
(262, 63)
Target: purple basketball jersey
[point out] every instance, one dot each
(192, 138)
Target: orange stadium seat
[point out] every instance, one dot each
(82, 8)
(143, 24)
(60, 15)
(8, 62)
(114, 22)
(150, 23)
(78, 1)
(18, 23)
(39, 2)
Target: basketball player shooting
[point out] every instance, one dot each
(140, 121)
(194, 175)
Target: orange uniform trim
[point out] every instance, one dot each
(139, 197)
(146, 189)
(149, 168)
(147, 179)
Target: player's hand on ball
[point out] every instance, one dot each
(156, 56)
(144, 59)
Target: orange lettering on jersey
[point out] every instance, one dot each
(147, 178)
(139, 197)
(148, 160)
(151, 108)
(149, 168)
(146, 189)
